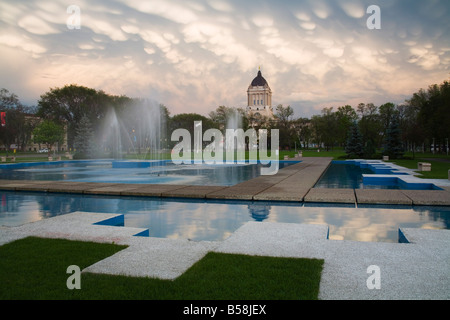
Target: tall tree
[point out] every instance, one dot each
(432, 107)
(84, 139)
(386, 113)
(18, 120)
(49, 133)
(71, 103)
(186, 121)
(283, 118)
(393, 146)
(324, 127)
(369, 123)
(302, 127)
(345, 116)
(354, 146)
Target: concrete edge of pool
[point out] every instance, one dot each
(417, 269)
(291, 184)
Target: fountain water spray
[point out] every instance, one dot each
(138, 128)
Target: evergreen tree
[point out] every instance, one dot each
(354, 147)
(393, 146)
(84, 139)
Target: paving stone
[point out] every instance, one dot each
(428, 197)
(114, 189)
(381, 196)
(151, 190)
(330, 195)
(75, 187)
(281, 192)
(235, 192)
(192, 191)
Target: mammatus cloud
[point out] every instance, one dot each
(196, 55)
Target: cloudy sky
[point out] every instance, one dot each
(194, 55)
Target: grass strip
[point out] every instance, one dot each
(35, 268)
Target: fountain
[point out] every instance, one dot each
(137, 129)
(233, 144)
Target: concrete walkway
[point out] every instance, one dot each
(415, 270)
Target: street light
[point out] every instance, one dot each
(446, 139)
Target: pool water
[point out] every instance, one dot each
(347, 175)
(216, 220)
(165, 172)
(339, 175)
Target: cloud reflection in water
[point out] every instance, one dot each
(216, 220)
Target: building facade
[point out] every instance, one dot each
(259, 98)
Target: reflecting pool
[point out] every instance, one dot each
(162, 172)
(216, 220)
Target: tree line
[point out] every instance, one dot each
(420, 123)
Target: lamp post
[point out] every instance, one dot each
(446, 139)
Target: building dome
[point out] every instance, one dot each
(259, 98)
(259, 81)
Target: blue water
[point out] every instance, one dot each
(216, 220)
(350, 176)
(103, 171)
(339, 175)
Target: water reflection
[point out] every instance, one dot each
(102, 171)
(216, 220)
(348, 176)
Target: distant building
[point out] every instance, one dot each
(259, 98)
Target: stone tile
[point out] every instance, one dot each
(75, 187)
(381, 196)
(282, 192)
(42, 186)
(151, 190)
(428, 197)
(234, 193)
(192, 191)
(330, 195)
(114, 189)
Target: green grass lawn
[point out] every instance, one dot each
(439, 169)
(35, 268)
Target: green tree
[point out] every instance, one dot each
(324, 127)
(186, 121)
(393, 146)
(221, 115)
(302, 127)
(18, 127)
(386, 112)
(48, 132)
(283, 118)
(433, 112)
(70, 103)
(354, 146)
(345, 116)
(84, 139)
(413, 133)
